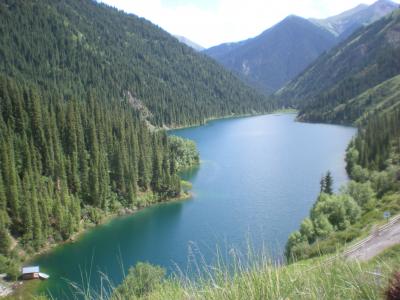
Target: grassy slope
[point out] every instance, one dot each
(310, 279)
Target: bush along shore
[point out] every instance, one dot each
(373, 164)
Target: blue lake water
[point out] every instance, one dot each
(258, 179)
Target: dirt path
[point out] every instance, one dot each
(380, 240)
(5, 290)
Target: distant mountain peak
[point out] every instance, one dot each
(293, 17)
(385, 2)
(347, 13)
(343, 24)
(277, 55)
(280, 53)
(189, 43)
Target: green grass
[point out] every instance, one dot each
(25, 291)
(255, 277)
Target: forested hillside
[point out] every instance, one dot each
(373, 164)
(365, 60)
(380, 99)
(356, 83)
(76, 45)
(377, 145)
(79, 85)
(66, 161)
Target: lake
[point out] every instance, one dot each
(258, 178)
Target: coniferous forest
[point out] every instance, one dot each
(82, 88)
(63, 161)
(73, 46)
(329, 89)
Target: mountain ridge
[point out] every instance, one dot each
(276, 50)
(268, 62)
(125, 54)
(189, 43)
(344, 24)
(363, 61)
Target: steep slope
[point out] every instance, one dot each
(344, 24)
(89, 45)
(363, 61)
(189, 43)
(74, 147)
(220, 51)
(277, 55)
(380, 99)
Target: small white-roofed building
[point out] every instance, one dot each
(30, 272)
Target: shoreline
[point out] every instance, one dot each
(232, 116)
(85, 228)
(19, 287)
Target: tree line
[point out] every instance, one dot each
(373, 164)
(79, 45)
(64, 161)
(81, 84)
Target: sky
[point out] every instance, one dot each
(212, 22)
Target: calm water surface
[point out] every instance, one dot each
(258, 179)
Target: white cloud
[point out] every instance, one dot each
(231, 20)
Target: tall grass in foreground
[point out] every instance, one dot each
(256, 277)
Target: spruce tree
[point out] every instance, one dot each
(3, 203)
(26, 210)
(11, 181)
(37, 236)
(59, 155)
(328, 183)
(5, 242)
(322, 184)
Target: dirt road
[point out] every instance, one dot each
(376, 243)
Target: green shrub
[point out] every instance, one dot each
(3, 264)
(141, 280)
(362, 193)
(186, 186)
(186, 154)
(13, 270)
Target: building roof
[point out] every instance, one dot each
(28, 270)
